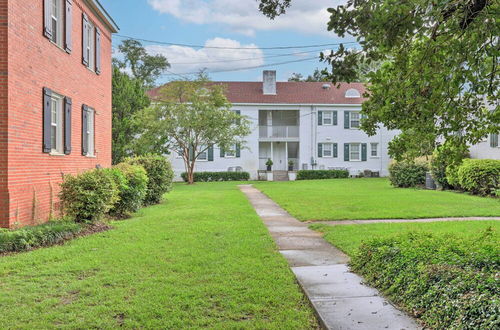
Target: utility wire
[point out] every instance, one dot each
(239, 48)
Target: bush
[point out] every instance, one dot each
(322, 174)
(452, 175)
(407, 174)
(480, 176)
(446, 156)
(160, 175)
(132, 193)
(87, 197)
(447, 282)
(34, 237)
(217, 176)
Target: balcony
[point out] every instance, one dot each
(281, 133)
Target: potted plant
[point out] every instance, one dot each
(290, 165)
(269, 164)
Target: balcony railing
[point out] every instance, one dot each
(271, 132)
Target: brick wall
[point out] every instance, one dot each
(33, 63)
(4, 205)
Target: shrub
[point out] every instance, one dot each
(34, 237)
(480, 176)
(87, 197)
(446, 156)
(448, 282)
(218, 176)
(322, 174)
(407, 174)
(131, 194)
(452, 175)
(160, 175)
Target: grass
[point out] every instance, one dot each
(349, 237)
(203, 259)
(348, 199)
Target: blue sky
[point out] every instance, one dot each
(227, 23)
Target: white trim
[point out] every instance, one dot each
(323, 149)
(58, 124)
(377, 149)
(351, 120)
(323, 112)
(359, 152)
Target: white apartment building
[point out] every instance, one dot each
(314, 125)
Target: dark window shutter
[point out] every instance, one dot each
(97, 51)
(68, 41)
(222, 152)
(85, 27)
(320, 118)
(320, 150)
(210, 153)
(364, 152)
(335, 150)
(191, 153)
(67, 125)
(47, 118)
(238, 151)
(335, 118)
(347, 120)
(47, 18)
(494, 140)
(238, 112)
(85, 142)
(346, 152)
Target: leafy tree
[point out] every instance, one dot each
(129, 98)
(144, 67)
(318, 75)
(190, 117)
(440, 67)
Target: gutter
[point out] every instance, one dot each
(103, 15)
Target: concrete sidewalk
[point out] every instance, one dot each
(339, 297)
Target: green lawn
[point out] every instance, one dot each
(341, 199)
(201, 259)
(349, 237)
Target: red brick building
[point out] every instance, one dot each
(55, 101)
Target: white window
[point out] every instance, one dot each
(89, 134)
(374, 149)
(56, 21)
(327, 150)
(494, 140)
(203, 155)
(180, 153)
(355, 152)
(57, 124)
(90, 46)
(231, 153)
(327, 117)
(354, 118)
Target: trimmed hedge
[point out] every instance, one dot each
(131, 194)
(446, 157)
(34, 237)
(407, 174)
(322, 174)
(480, 176)
(160, 175)
(217, 176)
(87, 197)
(447, 282)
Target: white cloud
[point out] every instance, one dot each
(243, 16)
(187, 59)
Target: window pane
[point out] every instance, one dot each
(327, 149)
(53, 137)
(355, 119)
(374, 149)
(355, 151)
(327, 118)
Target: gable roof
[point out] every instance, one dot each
(286, 93)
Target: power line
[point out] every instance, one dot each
(239, 48)
(245, 68)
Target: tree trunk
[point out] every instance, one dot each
(191, 173)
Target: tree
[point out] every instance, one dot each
(440, 74)
(144, 67)
(129, 98)
(190, 117)
(318, 75)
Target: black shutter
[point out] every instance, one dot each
(85, 142)
(364, 152)
(494, 140)
(335, 150)
(238, 121)
(320, 118)
(85, 27)
(320, 150)
(47, 18)
(191, 153)
(210, 153)
(47, 120)
(67, 125)
(97, 51)
(222, 152)
(335, 118)
(347, 120)
(347, 157)
(68, 42)
(238, 151)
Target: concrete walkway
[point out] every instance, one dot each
(339, 297)
(361, 222)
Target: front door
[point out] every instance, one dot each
(279, 156)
